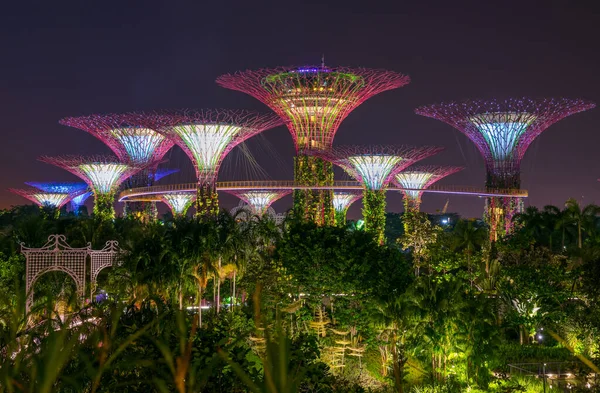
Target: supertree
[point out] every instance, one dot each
(341, 202)
(313, 101)
(259, 201)
(178, 202)
(103, 174)
(131, 142)
(78, 191)
(502, 130)
(207, 136)
(414, 180)
(44, 199)
(375, 167)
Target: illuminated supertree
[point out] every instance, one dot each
(375, 167)
(341, 202)
(103, 174)
(259, 201)
(415, 179)
(44, 199)
(131, 142)
(207, 136)
(313, 101)
(179, 202)
(77, 190)
(502, 130)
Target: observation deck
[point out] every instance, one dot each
(153, 193)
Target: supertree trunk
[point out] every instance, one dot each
(104, 206)
(207, 201)
(314, 205)
(340, 217)
(374, 213)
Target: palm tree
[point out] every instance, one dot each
(582, 218)
(468, 236)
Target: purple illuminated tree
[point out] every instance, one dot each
(415, 179)
(77, 190)
(375, 167)
(259, 201)
(207, 136)
(341, 202)
(502, 130)
(103, 174)
(313, 101)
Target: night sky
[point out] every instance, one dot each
(74, 58)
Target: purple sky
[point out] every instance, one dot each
(74, 58)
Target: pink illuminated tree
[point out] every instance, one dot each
(207, 136)
(259, 201)
(103, 174)
(415, 179)
(313, 101)
(502, 130)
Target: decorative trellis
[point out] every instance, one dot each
(55, 255)
(101, 259)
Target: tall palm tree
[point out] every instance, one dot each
(582, 218)
(469, 236)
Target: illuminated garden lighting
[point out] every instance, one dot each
(415, 179)
(44, 199)
(341, 202)
(179, 202)
(59, 187)
(375, 167)
(102, 174)
(78, 201)
(161, 173)
(502, 130)
(207, 137)
(259, 201)
(313, 101)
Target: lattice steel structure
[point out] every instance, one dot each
(77, 191)
(101, 259)
(259, 201)
(48, 200)
(55, 255)
(103, 174)
(341, 202)
(179, 202)
(207, 136)
(375, 167)
(313, 100)
(414, 180)
(502, 130)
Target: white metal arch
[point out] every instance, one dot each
(101, 259)
(55, 255)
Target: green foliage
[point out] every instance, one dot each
(374, 213)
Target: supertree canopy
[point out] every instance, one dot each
(502, 130)
(207, 136)
(415, 179)
(124, 135)
(103, 174)
(313, 100)
(259, 201)
(179, 202)
(375, 167)
(77, 191)
(44, 199)
(341, 202)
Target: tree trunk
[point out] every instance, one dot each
(199, 305)
(180, 295)
(233, 299)
(219, 287)
(579, 234)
